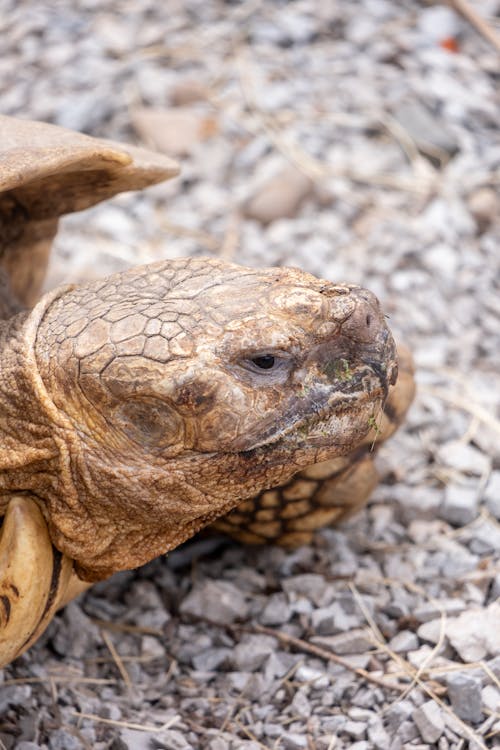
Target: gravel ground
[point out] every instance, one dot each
(358, 140)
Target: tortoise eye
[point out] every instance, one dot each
(264, 361)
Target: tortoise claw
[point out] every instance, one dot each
(34, 578)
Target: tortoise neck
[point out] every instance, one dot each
(9, 304)
(27, 449)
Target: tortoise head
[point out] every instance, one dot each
(180, 388)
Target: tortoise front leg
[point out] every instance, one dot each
(35, 578)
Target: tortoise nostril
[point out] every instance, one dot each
(368, 320)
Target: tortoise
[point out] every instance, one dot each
(138, 409)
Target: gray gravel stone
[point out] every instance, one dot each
(355, 729)
(492, 494)
(407, 732)
(460, 505)
(465, 696)
(429, 720)
(277, 611)
(293, 740)
(403, 641)
(300, 705)
(252, 651)
(63, 740)
(310, 585)
(354, 642)
(331, 620)
(218, 601)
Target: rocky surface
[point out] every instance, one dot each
(359, 141)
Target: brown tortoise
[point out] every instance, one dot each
(136, 410)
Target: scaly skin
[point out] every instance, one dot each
(136, 410)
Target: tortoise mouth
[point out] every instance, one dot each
(315, 420)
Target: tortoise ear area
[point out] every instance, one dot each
(150, 422)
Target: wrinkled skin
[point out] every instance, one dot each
(139, 408)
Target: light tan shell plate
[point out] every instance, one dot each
(45, 172)
(54, 171)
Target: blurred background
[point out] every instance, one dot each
(358, 140)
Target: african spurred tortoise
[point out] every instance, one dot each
(137, 409)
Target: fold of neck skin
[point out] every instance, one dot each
(28, 452)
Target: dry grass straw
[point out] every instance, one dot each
(479, 23)
(416, 675)
(117, 659)
(128, 724)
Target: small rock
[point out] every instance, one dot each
(460, 504)
(219, 601)
(277, 611)
(173, 131)
(316, 678)
(279, 197)
(403, 641)
(218, 744)
(490, 697)
(60, 739)
(429, 720)
(407, 731)
(252, 651)
(151, 646)
(354, 642)
(429, 132)
(332, 620)
(429, 611)
(430, 631)
(310, 585)
(397, 713)
(187, 92)
(476, 634)
(484, 537)
(293, 741)
(76, 634)
(356, 729)
(484, 206)
(300, 705)
(464, 458)
(378, 736)
(492, 494)
(211, 659)
(465, 696)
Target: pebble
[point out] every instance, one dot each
(218, 601)
(252, 651)
(492, 494)
(277, 610)
(175, 131)
(464, 691)
(429, 720)
(356, 641)
(331, 620)
(475, 634)
(280, 197)
(355, 729)
(403, 641)
(63, 740)
(460, 505)
(483, 204)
